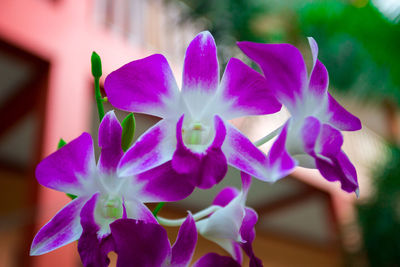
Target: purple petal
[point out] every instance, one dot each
(319, 80)
(309, 133)
(64, 169)
(184, 161)
(200, 71)
(279, 160)
(183, 248)
(139, 243)
(341, 118)
(246, 91)
(341, 169)
(330, 141)
(213, 259)
(155, 147)
(61, 230)
(244, 155)
(248, 234)
(146, 86)
(163, 183)
(283, 67)
(225, 196)
(110, 132)
(92, 250)
(246, 183)
(209, 167)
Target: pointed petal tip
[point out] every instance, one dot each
(357, 192)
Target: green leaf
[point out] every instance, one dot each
(61, 143)
(71, 196)
(128, 130)
(96, 65)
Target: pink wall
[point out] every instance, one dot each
(63, 33)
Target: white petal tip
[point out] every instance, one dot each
(357, 192)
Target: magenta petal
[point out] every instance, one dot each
(330, 141)
(213, 259)
(65, 169)
(213, 169)
(341, 118)
(155, 147)
(225, 196)
(163, 183)
(247, 91)
(110, 132)
(61, 230)
(200, 70)
(184, 161)
(92, 250)
(340, 169)
(183, 248)
(146, 86)
(309, 133)
(244, 155)
(279, 160)
(248, 234)
(319, 80)
(283, 67)
(139, 243)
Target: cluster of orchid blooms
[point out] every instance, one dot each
(191, 147)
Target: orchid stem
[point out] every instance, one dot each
(197, 216)
(268, 137)
(97, 72)
(158, 208)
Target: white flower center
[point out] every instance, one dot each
(197, 136)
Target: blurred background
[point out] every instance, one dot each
(46, 93)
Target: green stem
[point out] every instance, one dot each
(158, 208)
(99, 99)
(268, 137)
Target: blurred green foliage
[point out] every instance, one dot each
(380, 217)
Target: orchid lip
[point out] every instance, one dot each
(197, 136)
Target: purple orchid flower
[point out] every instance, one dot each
(311, 137)
(232, 226)
(194, 131)
(72, 169)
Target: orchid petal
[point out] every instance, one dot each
(248, 234)
(110, 131)
(146, 86)
(246, 91)
(279, 160)
(330, 141)
(140, 244)
(155, 147)
(92, 249)
(244, 155)
(67, 169)
(183, 248)
(225, 196)
(309, 133)
(61, 230)
(283, 67)
(135, 209)
(340, 169)
(162, 183)
(213, 259)
(201, 71)
(319, 79)
(210, 167)
(341, 118)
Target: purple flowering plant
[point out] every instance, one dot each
(191, 147)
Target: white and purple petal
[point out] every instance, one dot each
(283, 67)
(163, 183)
(145, 86)
(185, 244)
(110, 131)
(244, 92)
(140, 244)
(155, 147)
(248, 234)
(69, 168)
(61, 230)
(341, 118)
(93, 249)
